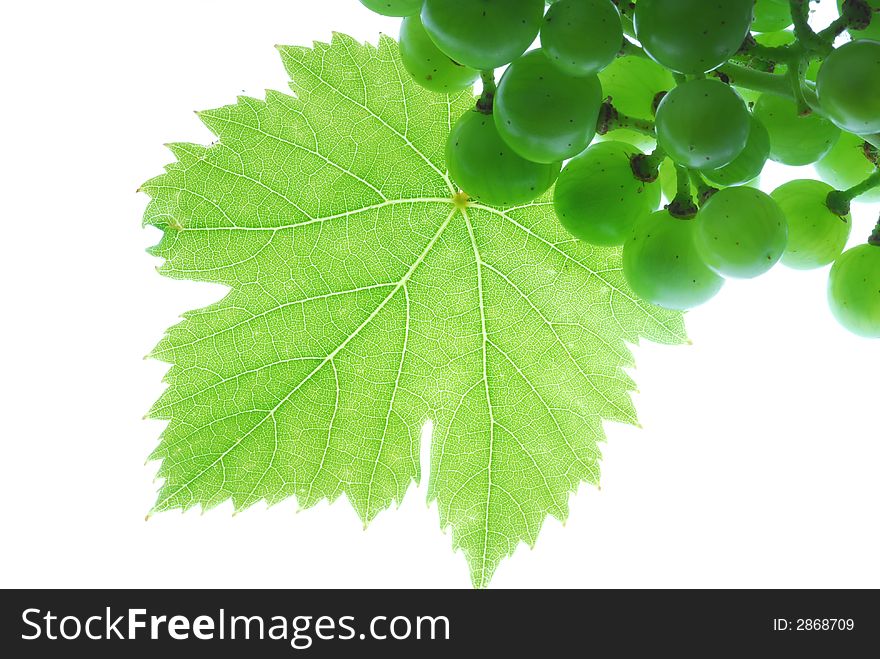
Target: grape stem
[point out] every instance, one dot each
(806, 36)
(646, 167)
(839, 201)
(873, 140)
(487, 99)
(761, 57)
(627, 9)
(797, 78)
(854, 15)
(768, 83)
(875, 237)
(683, 206)
(610, 119)
(704, 191)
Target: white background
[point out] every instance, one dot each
(757, 466)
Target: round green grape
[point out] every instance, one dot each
(582, 37)
(598, 199)
(661, 264)
(741, 232)
(543, 114)
(873, 29)
(794, 140)
(771, 15)
(816, 236)
(849, 86)
(483, 34)
(692, 36)
(633, 83)
(394, 7)
(427, 65)
(489, 170)
(703, 124)
(854, 290)
(847, 165)
(749, 164)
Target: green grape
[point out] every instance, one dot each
(661, 264)
(597, 197)
(854, 290)
(692, 36)
(741, 232)
(816, 236)
(427, 64)
(582, 37)
(794, 140)
(542, 113)
(749, 164)
(771, 15)
(632, 83)
(847, 165)
(487, 169)
(394, 7)
(483, 34)
(703, 124)
(873, 30)
(849, 86)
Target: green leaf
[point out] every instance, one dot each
(364, 301)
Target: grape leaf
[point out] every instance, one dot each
(365, 299)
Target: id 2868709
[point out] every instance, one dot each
(813, 624)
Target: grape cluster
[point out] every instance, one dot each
(625, 103)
